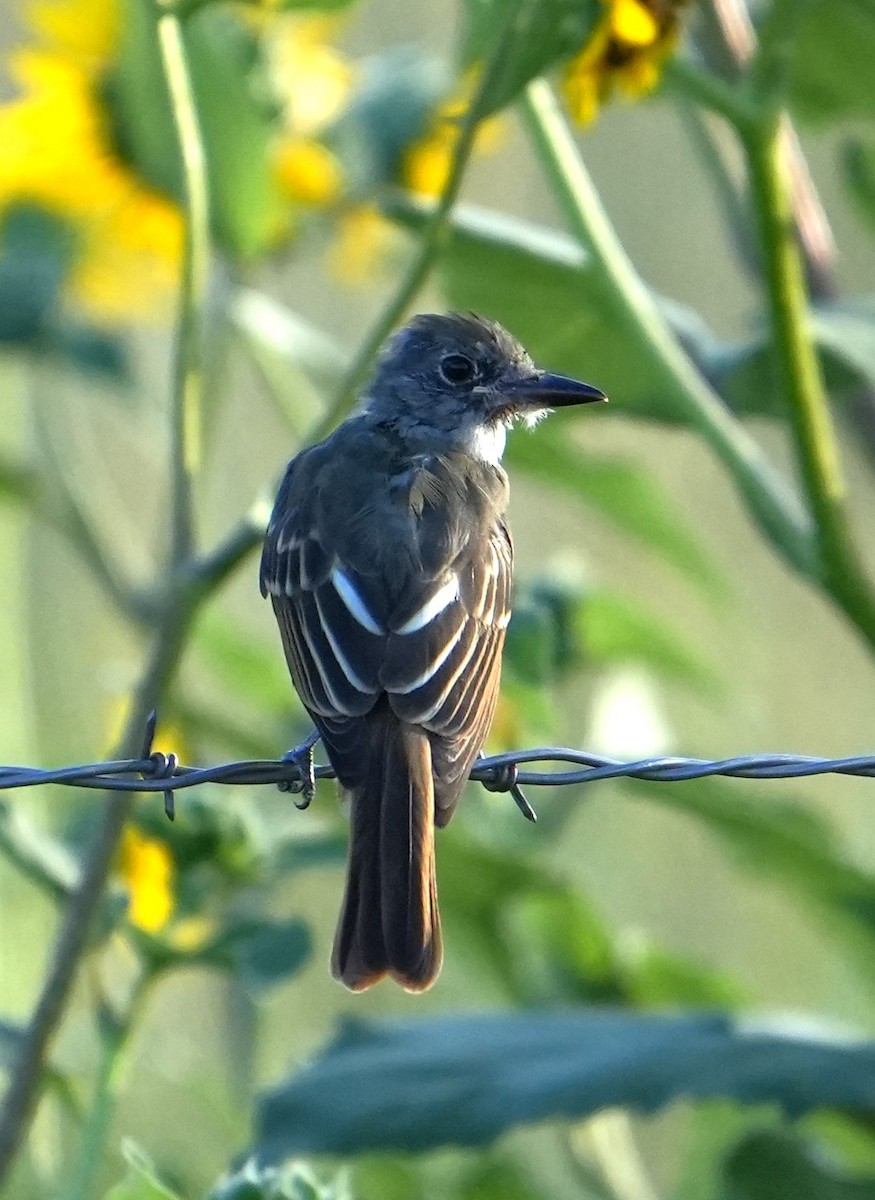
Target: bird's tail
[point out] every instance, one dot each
(389, 923)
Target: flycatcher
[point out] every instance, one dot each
(388, 562)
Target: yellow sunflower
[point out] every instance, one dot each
(146, 868)
(58, 152)
(427, 162)
(313, 82)
(624, 53)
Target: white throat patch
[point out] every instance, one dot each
(487, 443)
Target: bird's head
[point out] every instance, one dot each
(464, 380)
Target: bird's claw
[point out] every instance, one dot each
(302, 757)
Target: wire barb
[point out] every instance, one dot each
(504, 778)
(163, 766)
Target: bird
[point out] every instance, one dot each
(389, 565)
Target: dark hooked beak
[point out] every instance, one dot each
(544, 390)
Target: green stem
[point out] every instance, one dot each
(811, 420)
(41, 861)
(768, 498)
(80, 1181)
(432, 240)
(20, 482)
(771, 66)
(188, 384)
(72, 941)
(211, 570)
(68, 516)
(186, 8)
(115, 1040)
(181, 593)
(728, 100)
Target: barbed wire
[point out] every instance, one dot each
(155, 771)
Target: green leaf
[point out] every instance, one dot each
(416, 1085)
(91, 350)
(659, 978)
(321, 5)
(831, 65)
(290, 354)
(531, 650)
(247, 668)
(40, 858)
(389, 1177)
(784, 840)
(497, 1180)
(311, 851)
(712, 1131)
(561, 949)
(859, 171)
(543, 34)
(563, 953)
(614, 629)
(844, 333)
(478, 885)
(238, 128)
(36, 252)
(237, 124)
(140, 1182)
(622, 493)
(394, 101)
(556, 627)
(546, 642)
(772, 1164)
(547, 944)
(270, 952)
(18, 480)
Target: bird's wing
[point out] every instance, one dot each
(334, 645)
(442, 663)
(426, 630)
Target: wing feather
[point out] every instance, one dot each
(456, 702)
(424, 627)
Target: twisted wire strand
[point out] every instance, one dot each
(159, 772)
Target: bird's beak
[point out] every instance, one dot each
(544, 390)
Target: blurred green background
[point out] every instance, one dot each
(755, 660)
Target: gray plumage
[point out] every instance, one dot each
(389, 566)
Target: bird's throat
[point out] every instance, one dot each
(487, 442)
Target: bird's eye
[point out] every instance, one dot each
(457, 368)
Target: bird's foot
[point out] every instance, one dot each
(302, 757)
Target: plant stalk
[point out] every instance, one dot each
(181, 596)
(187, 400)
(817, 446)
(80, 1181)
(72, 942)
(771, 503)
